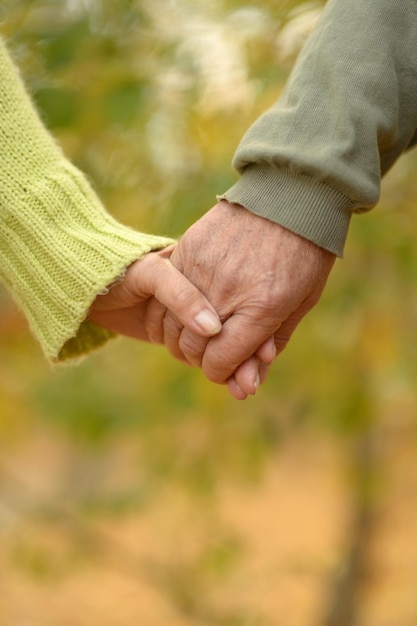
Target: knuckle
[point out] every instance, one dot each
(217, 369)
(192, 346)
(184, 296)
(154, 332)
(172, 326)
(154, 321)
(281, 342)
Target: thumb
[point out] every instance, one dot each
(155, 276)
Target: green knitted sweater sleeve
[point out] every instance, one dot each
(59, 248)
(347, 113)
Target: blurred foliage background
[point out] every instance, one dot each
(131, 489)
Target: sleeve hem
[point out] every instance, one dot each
(59, 249)
(297, 202)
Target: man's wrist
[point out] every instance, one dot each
(299, 203)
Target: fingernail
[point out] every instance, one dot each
(256, 382)
(208, 322)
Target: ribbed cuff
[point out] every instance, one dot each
(306, 207)
(59, 249)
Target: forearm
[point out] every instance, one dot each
(59, 248)
(347, 113)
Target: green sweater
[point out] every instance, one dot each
(59, 248)
(347, 113)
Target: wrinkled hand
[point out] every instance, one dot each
(123, 308)
(260, 277)
(126, 309)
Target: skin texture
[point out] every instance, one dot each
(125, 309)
(261, 278)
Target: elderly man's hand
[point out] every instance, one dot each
(260, 277)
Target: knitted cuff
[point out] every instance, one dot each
(58, 249)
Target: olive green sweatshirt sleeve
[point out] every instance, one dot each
(347, 113)
(59, 248)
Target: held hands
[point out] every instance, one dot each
(126, 309)
(123, 309)
(260, 277)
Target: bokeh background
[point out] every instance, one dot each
(133, 491)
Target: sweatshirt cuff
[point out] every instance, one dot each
(297, 202)
(59, 250)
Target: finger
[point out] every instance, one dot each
(247, 376)
(154, 320)
(239, 340)
(155, 311)
(263, 372)
(166, 252)
(172, 329)
(192, 346)
(285, 331)
(267, 351)
(235, 390)
(157, 276)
